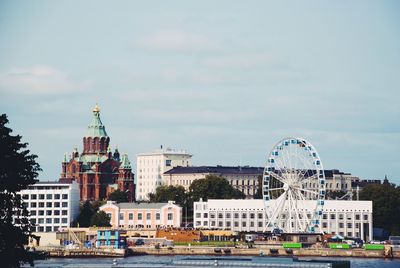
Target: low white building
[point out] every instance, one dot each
(151, 166)
(51, 205)
(346, 218)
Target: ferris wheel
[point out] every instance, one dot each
(293, 187)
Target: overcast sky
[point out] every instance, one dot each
(224, 80)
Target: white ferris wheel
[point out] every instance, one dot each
(293, 187)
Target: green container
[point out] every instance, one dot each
(339, 246)
(292, 245)
(374, 247)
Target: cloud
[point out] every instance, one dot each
(177, 40)
(39, 80)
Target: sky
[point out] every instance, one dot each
(224, 80)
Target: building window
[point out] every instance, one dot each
(260, 215)
(56, 212)
(40, 220)
(357, 217)
(244, 215)
(41, 196)
(252, 216)
(25, 196)
(168, 163)
(65, 196)
(170, 216)
(64, 220)
(213, 223)
(333, 216)
(33, 213)
(48, 213)
(121, 216)
(41, 204)
(340, 216)
(220, 215)
(324, 225)
(49, 204)
(220, 224)
(236, 224)
(56, 204)
(148, 216)
(198, 215)
(205, 215)
(139, 216)
(365, 217)
(236, 215)
(341, 224)
(64, 204)
(33, 205)
(49, 196)
(48, 229)
(56, 220)
(33, 196)
(228, 224)
(324, 216)
(260, 224)
(48, 220)
(65, 212)
(130, 216)
(41, 212)
(252, 224)
(244, 224)
(57, 196)
(349, 225)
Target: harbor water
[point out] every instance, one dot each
(165, 261)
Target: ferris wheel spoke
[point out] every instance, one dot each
(297, 214)
(279, 178)
(313, 177)
(303, 200)
(308, 191)
(276, 189)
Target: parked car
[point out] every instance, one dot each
(139, 242)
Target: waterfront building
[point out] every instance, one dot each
(244, 179)
(110, 238)
(151, 166)
(143, 215)
(51, 205)
(97, 170)
(346, 218)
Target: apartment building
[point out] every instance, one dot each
(51, 205)
(242, 178)
(151, 166)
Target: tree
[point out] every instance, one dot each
(213, 187)
(118, 196)
(85, 215)
(333, 195)
(18, 170)
(166, 193)
(258, 194)
(100, 219)
(386, 205)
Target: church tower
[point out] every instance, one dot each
(96, 140)
(125, 178)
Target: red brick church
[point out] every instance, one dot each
(98, 170)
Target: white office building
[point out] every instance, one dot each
(346, 218)
(52, 205)
(151, 166)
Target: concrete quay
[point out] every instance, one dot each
(266, 251)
